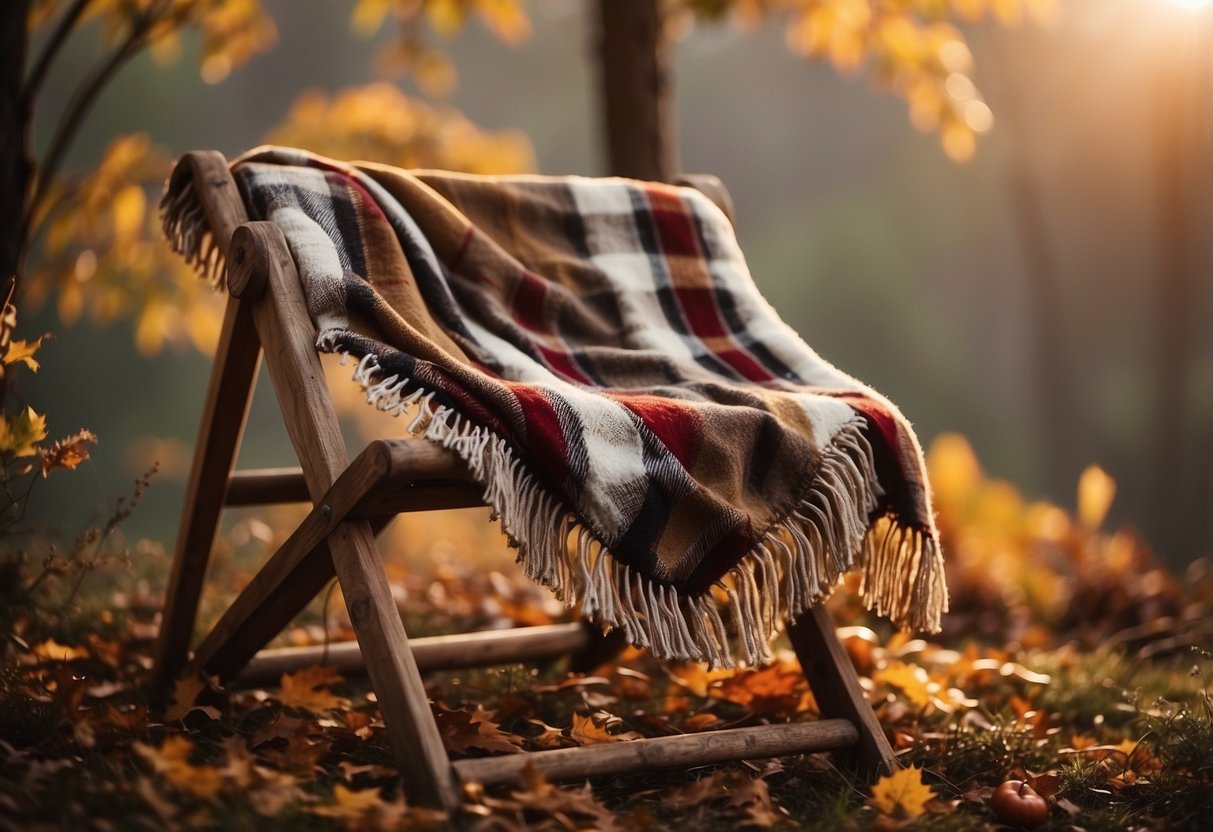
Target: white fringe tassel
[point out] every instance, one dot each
(796, 565)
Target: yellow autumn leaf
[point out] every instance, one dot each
(446, 16)
(21, 436)
(910, 679)
(23, 352)
(1096, 490)
(369, 15)
(958, 140)
(902, 794)
(171, 761)
(505, 19)
(307, 689)
(129, 208)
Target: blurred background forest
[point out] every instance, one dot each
(1049, 299)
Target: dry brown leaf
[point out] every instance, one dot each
(185, 693)
(68, 452)
(307, 690)
(462, 729)
(588, 731)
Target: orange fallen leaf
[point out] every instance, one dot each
(171, 761)
(307, 690)
(587, 731)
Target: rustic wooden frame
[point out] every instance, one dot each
(352, 501)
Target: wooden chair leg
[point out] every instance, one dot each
(227, 400)
(836, 688)
(420, 753)
(307, 409)
(600, 648)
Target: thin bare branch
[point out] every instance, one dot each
(46, 58)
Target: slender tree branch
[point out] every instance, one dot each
(49, 52)
(83, 101)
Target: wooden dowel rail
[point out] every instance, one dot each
(480, 649)
(684, 751)
(416, 476)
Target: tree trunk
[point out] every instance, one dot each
(14, 147)
(637, 89)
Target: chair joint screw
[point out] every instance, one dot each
(326, 511)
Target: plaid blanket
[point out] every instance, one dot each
(659, 446)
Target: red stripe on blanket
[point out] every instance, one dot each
(699, 309)
(676, 424)
(562, 364)
(743, 363)
(543, 431)
(880, 417)
(527, 303)
(675, 231)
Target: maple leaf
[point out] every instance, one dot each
(902, 793)
(22, 352)
(462, 729)
(911, 679)
(306, 689)
(171, 761)
(67, 452)
(52, 651)
(775, 688)
(362, 809)
(185, 693)
(588, 731)
(21, 436)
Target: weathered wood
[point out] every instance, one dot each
(267, 486)
(289, 338)
(711, 187)
(683, 751)
(217, 192)
(247, 269)
(479, 649)
(836, 688)
(422, 477)
(228, 396)
(292, 576)
(224, 412)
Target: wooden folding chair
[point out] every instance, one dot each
(352, 501)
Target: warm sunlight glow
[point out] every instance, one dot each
(1192, 5)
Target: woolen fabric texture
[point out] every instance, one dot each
(659, 446)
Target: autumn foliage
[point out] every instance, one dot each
(1093, 693)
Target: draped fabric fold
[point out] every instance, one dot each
(659, 446)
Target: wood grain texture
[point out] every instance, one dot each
(224, 411)
(290, 579)
(451, 652)
(684, 751)
(289, 338)
(836, 688)
(218, 194)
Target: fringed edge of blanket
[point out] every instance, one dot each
(795, 565)
(185, 226)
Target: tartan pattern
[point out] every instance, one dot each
(659, 445)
